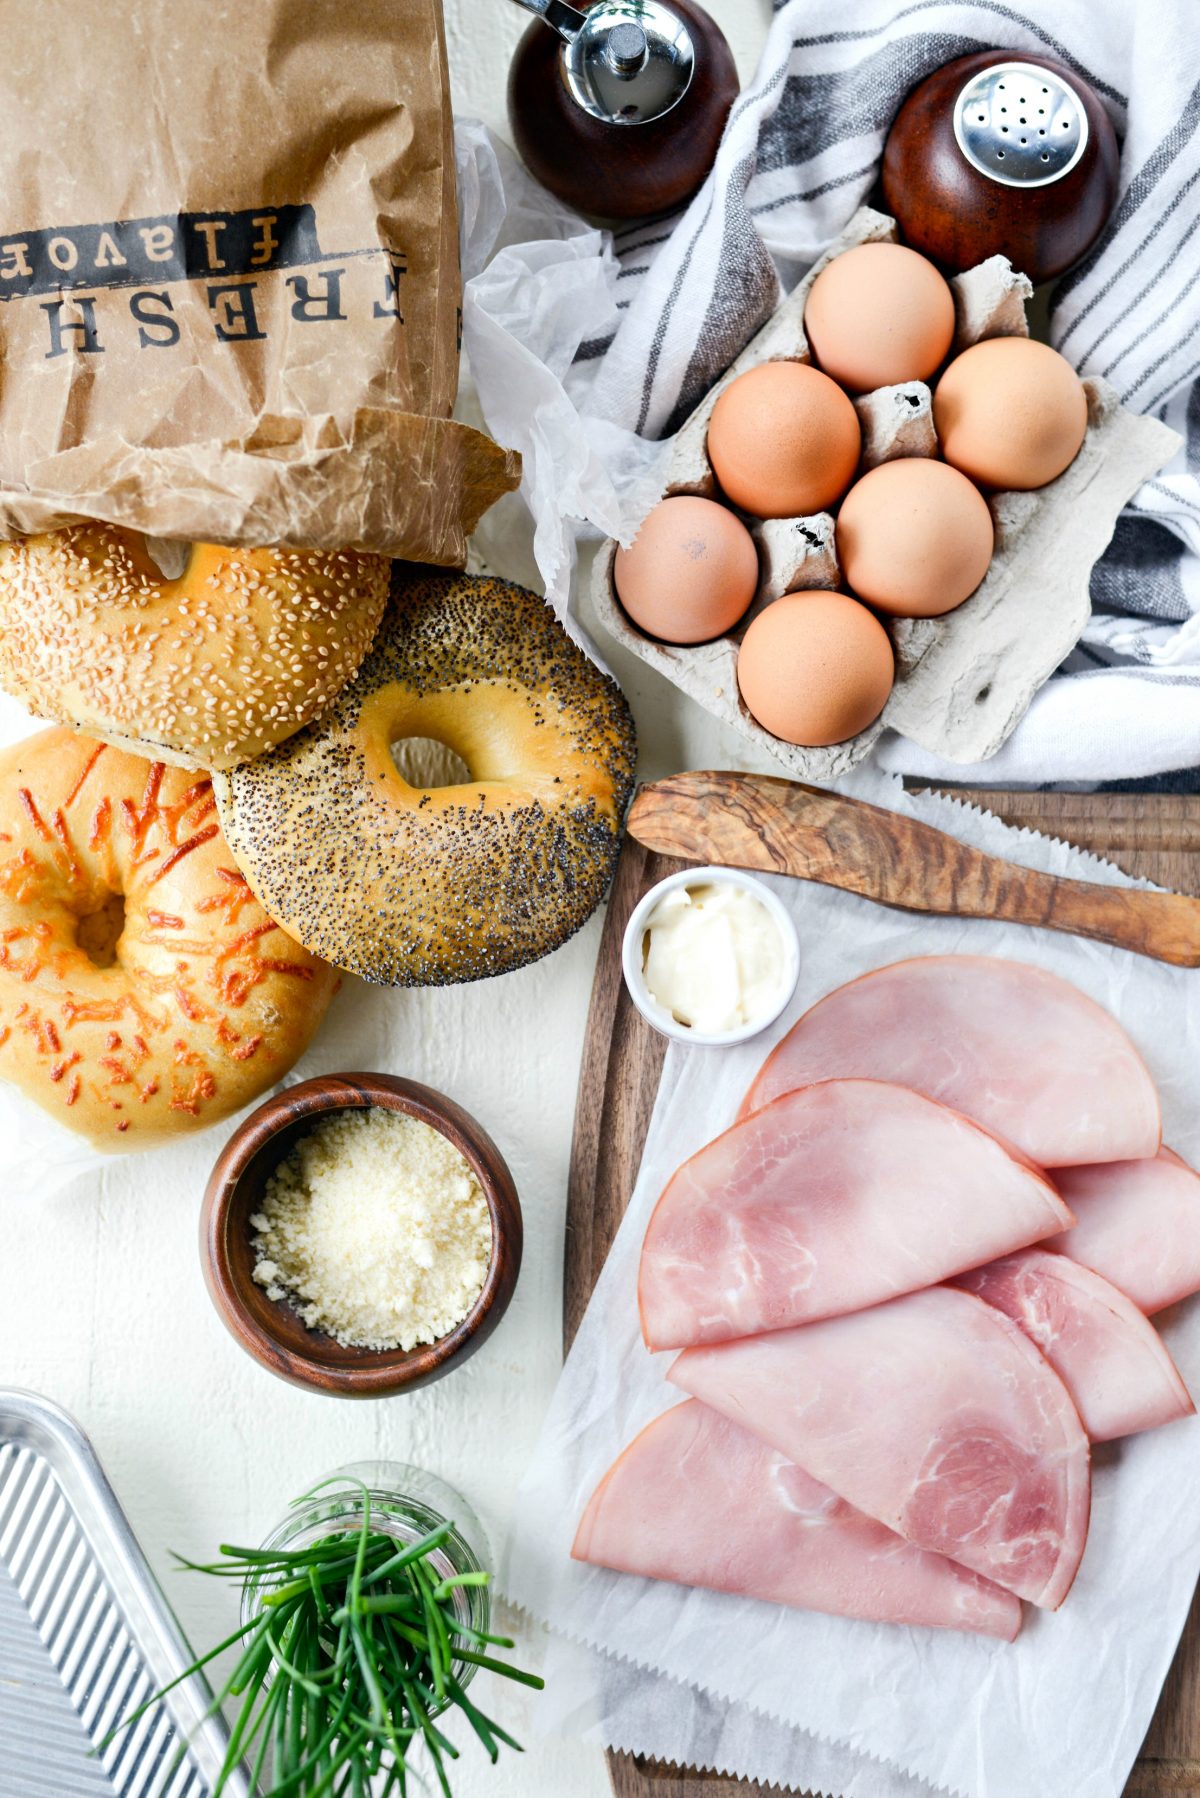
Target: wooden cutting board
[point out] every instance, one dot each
(1154, 835)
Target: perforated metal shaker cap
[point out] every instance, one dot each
(1020, 125)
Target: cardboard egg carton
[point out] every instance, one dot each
(963, 681)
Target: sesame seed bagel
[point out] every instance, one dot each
(203, 671)
(411, 886)
(131, 1025)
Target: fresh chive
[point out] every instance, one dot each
(444, 1587)
(502, 1667)
(196, 1666)
(370, 1673)
(354, 1648)
(255, 1658)
(406, 1557)
(400, 1603)
(273, 1699)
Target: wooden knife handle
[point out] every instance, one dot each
(781, 826)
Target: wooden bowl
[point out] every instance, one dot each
(270, 1329)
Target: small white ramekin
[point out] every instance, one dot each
(631, 956)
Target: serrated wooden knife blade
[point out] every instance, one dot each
(777, 826)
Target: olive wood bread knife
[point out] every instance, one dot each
(784, 827)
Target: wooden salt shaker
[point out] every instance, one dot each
(1000, 155)
(618, 109)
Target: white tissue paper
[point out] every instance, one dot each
(528, 306)
(1059, 1714)
(592, 1696)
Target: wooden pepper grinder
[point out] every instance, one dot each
(618, 109)
(996, 155)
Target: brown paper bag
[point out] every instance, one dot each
(229, 287)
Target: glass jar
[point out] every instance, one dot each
(406, 1503)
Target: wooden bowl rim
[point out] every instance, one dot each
(381, 1372)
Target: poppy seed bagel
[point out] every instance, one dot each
(407, 886)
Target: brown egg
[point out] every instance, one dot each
(879, 314)
(690, 572)
(1010, 412)
(784, 440)
(815, 668)
(914, 538)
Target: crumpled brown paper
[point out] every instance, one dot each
(229, 286)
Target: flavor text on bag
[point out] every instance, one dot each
(218, 250)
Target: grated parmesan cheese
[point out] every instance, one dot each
(376, 1229)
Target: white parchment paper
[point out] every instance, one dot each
(596, 1698)
(1059, 1714)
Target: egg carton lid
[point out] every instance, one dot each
(963, 681)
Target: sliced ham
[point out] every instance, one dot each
(1138, 1224)
(933, 1414)
(1021, 1051)
(1107, 1354)
(696, 1500)
(831, 1198)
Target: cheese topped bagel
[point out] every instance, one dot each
(143, 989)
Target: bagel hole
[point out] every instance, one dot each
(99, 932)
(426, 762)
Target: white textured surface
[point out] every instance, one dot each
(102, 1306)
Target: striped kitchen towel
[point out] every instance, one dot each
(801, 152)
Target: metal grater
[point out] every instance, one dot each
(85, 1632)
